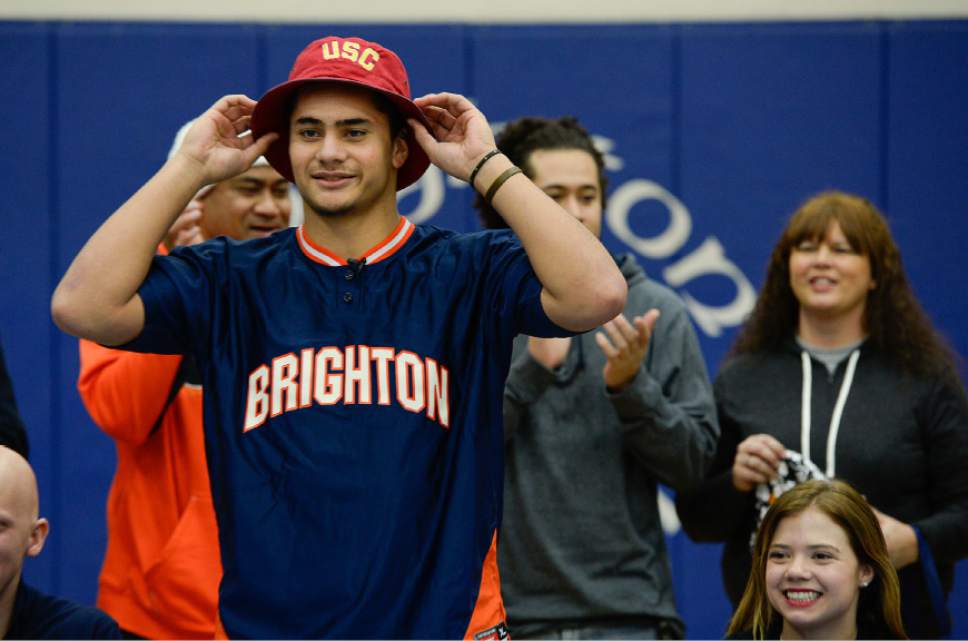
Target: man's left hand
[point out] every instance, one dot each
(459, 135)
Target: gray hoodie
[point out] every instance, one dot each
(581, 540)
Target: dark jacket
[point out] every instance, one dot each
(39, 616)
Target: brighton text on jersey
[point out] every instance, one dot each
(351, 375)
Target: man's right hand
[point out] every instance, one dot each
(550, 352)
(186, 230)
(215, 144)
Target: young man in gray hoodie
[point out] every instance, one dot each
(592, 425)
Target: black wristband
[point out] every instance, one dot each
(500, 180)
(480, 163)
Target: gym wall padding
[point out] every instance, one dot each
(714, 133)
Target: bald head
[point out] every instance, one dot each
(22, 534)
(18, 486)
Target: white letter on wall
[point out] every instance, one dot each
(665, 244)
(709, 259)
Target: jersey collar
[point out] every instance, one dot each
(384, 249)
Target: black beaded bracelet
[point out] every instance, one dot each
(480, 163)
(500, 180)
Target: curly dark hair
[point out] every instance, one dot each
(893, 318)
(523, 136)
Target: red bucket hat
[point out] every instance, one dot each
(350, 61)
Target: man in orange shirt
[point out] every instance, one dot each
(161, 568)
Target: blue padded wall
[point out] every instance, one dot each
(925, 174)
(27, 244)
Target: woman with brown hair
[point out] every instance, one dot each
(838, 372)
(820, 570)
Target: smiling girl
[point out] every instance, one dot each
(820, 571)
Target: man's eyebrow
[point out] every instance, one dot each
(346, 122)
(249, 180)
(252, 181)
(351, 122)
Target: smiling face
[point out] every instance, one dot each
(343, 157)
(813, 577)
(254, 204)
(830, 279)
(570, 177)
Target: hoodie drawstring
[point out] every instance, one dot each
(834, 418)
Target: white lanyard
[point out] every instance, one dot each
(835, 417)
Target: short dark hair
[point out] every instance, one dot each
(394, 117)
(521, 137)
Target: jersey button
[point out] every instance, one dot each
(347, 297)
(348, 275)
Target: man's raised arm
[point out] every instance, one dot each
(98, 297)
(582, 286)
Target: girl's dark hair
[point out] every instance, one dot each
(893, 318)
(519, 138)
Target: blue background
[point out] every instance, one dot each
(729, 125)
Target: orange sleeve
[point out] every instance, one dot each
(124, 392)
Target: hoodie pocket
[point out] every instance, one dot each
(183, 582)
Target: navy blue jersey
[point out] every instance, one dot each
(353, 422)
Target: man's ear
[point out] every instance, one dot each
(400, 150)
(38, 535)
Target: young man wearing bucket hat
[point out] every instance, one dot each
(353, 367)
